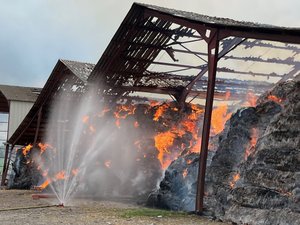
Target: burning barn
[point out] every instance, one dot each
(15, 102)
(169, 85)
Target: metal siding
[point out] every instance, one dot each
(18, 111)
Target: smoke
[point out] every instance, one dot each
(91, 155)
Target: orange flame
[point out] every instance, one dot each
(189, 161)
(219, 117)
(27, 149)
(162, 142)
(253, 141)
(274, 99)
(122, 111)
(235, 178)
(43, 147)
(196, 112)
(160, 111)
(45, 184)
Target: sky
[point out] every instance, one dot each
(36, 33)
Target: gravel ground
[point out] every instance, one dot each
(17, 208)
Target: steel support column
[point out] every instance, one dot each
(38, 126)
(213, 50)
(4, 175)
(4, 165)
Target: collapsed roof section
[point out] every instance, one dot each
(164, 51)
(67, 77)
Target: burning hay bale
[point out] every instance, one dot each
(137, 142)
(254, 176)
(270, 177)
(26, 174)
(177, 190)
(253, 162)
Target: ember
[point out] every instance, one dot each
(235, 178)
(27, 149)
(253, 140)
(274, 99)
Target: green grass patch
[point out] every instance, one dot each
(147, 212)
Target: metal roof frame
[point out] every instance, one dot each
(148, 30)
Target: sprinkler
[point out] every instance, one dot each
(61, 204)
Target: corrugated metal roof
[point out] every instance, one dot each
(216, 21)
(17, 93)
(64, 74)
(80, 69)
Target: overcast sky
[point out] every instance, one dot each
(36, 33)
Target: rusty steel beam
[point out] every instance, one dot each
(213, 50)
(167, 31)
(248, 73)
(234, 43)
(163, 63)
(248, 33)
(219, 96)
(287, 61)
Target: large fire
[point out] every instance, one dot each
(39, 161)
(174, 133)
(164, 141)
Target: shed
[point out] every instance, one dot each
(15, 103)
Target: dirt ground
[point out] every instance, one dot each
(18, 207)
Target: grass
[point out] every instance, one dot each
(147, 212)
